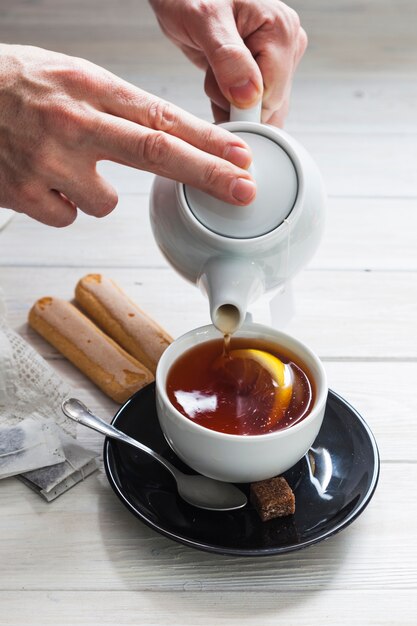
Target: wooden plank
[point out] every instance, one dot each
(361, 36)
(5, 216)
(375, 164)
(369, 234)
(123, 239)
(357, 101)
(361, 234)
(50, 13)
(349, 102)
(176, 304)
(83, 558)
(383, 393)
(352, 165)
(341, 315)
(367, 315)
(352, 101)
(364, 164)
(98, 545)
(197, 609)
(388, 409)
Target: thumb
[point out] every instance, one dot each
(235, 70)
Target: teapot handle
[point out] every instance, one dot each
(246, 115)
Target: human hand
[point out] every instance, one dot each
(246, 47)
(60, 115)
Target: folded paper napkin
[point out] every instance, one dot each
(36, 439)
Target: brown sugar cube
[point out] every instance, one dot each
(272, 498)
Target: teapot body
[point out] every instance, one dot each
(242, 266)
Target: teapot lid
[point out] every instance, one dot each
(277, 188)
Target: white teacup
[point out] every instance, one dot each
(239, 458)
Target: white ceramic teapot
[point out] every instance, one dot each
(235, 254)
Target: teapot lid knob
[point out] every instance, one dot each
(246, 115)
(277, 188)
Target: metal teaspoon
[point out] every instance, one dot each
(198, 490)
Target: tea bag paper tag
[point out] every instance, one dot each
(78, 463)
(29, 445)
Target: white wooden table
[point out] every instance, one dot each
(83, 559)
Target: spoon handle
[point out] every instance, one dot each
(78, 412)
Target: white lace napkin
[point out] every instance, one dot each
(29, 388)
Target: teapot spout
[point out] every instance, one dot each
(231, 284)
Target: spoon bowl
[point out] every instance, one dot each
(197, 490)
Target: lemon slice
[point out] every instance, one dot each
(281, 378)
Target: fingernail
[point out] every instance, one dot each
(243, 190)
(238, 156)
(244, 93)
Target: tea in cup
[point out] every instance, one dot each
(242, 415)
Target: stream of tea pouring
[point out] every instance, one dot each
(198, 490)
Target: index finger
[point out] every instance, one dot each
(131, 103)
(125, 142)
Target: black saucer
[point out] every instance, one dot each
(333, 484)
